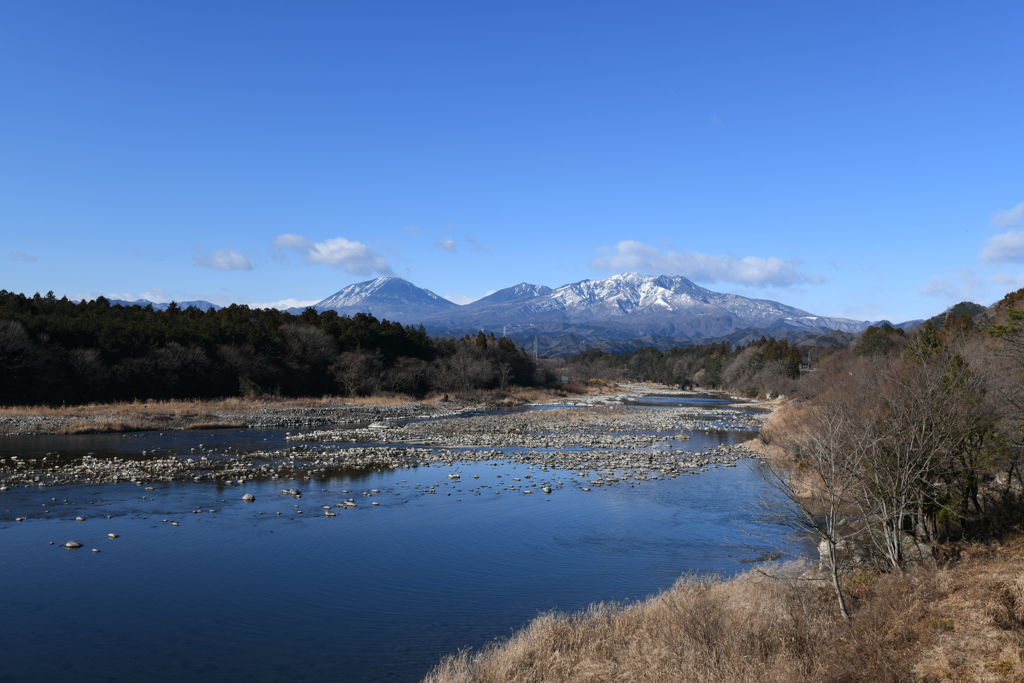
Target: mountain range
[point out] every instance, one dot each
(621, 312)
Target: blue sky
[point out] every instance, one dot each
(861, 160)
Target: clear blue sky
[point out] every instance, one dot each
(863, 160)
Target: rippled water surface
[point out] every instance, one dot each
(376, 593)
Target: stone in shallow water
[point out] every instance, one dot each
(71, 545)
(248, 498)
(111, 535)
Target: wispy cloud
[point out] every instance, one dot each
(1005, 248)
(474, 243)
(447, 245)
(352, 257)
(460, 299)
(960, 286)
(630, 255)
(414, 230)
(21, 256)
(1011, 218)
(1008, 280)
(223, 259)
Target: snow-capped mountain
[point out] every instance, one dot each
(386, 297)
(641, 304)
(623, 306)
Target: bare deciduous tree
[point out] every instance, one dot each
(820, 486)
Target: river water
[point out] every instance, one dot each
(202, 586)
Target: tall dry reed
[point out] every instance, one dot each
(918, 626)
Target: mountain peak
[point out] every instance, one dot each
(386, 297)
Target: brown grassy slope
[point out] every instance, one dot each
(962, 623)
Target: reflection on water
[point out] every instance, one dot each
(170, 442)
(276, 591)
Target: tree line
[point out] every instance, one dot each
(765, 365)
(55, 351)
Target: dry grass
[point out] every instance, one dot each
(145, 415)
(175, 408)
(195, 407)
(957, 624)
(231, 412)
(982, 619)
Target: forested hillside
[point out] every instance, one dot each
(54, 351)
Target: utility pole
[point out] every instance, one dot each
(535, 355)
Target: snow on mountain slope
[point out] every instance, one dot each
(641, 304)
(386, 297)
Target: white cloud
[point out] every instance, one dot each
(158, 296)
(414, 230)
(461, 299)
(1005, 248)
(1008, 280)
(21, 256)
(964, 286)
(154, 294)
(224, 259)
(630, 255)
(447, 245)
(284, 304)
(1012, 218)
(352, 257)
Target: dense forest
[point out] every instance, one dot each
(54, 351)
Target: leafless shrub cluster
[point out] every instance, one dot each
(895, 455)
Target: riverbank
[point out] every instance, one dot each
(959, 623)
(268, 413)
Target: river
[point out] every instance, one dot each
(201, 586)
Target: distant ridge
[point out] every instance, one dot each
(201, 305)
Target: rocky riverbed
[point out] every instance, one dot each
(588, 444)
(139, 418)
